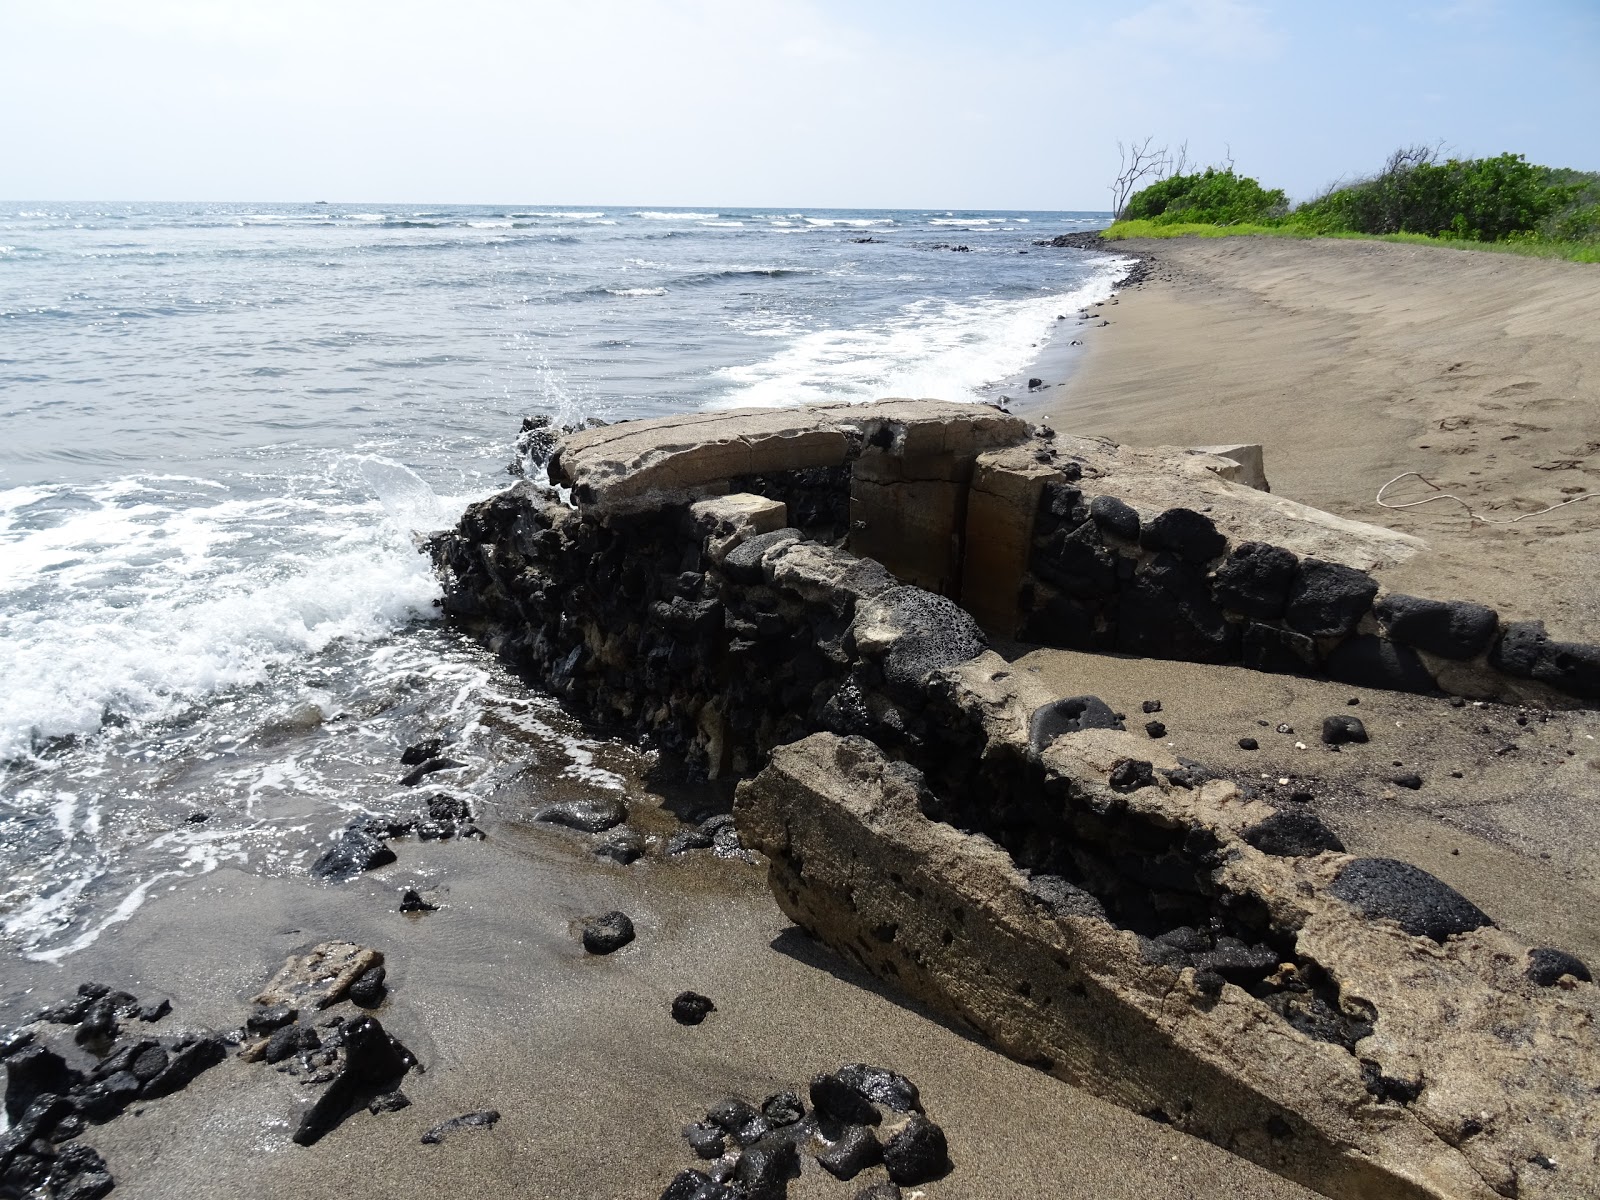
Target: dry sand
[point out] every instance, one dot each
(1352, 362)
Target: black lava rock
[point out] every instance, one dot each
(1236, 961)
(880, 1191)
(936, 633)
(1368, 661)
(415, 756)
(289, 1041)
(34, 1071)
(690, 1008)
(1186, 533)
(1525, 650)
(149, 1063)
(1150, 706)
(1131, 774)
(484, 1119)
(1155, 729)
(447, 809)
(853, 1151)
(1280, 651)
(765, 1168)
(1385, 888)
(918, 1153)
(1328, 599)
(417, 774)
(1255, 580)
(1249, 743)
(104, 1099)
(705, 1139)
(1409, 779)
(155, 1011)
(732, 1115)
(1071, 715)
(371, 1064)
(881, 1086)
(691, 1185)
(357, 850)
(588, 816)
(782, 1109)
(1064, 899)
(368, 989)
(78, 1173)
(1292, 833)
(620, 846)
(743, 562)
(187, 1056)
(1546, 965)
(686, 840)
(832, 1097)
(1448, 628)
(1336, 731)
(389, 1102)
(607, 933)
(1167, 612)
(411, 901)
(1115, 518)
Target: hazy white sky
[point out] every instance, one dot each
(895, 103)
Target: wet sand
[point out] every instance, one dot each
(579, 1054)
(1353, 362)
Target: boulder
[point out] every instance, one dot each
(1451, 629)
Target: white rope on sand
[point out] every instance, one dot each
(1476, 516)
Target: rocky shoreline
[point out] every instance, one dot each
(715, 590)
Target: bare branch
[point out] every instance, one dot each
(1137, 161)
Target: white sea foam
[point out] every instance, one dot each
(673, 216)
(931, 348)
(722, 224)
(635, 292)
(489, 224)
(967, 221)
(153, 606)
(852, 222)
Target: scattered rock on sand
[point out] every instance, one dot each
(359, 848)
(389, 1102)
(782, 1109)
(368, 989)
(917, 1153)
(607, 933)
(1338, 730)
(484, 1119)
(853, 1151)
(620, 846)
(411, 901)
(1546, 966)
(588, 816)
(367, 1063)
(705, 1139)
(690, 1008)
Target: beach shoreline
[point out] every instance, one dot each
(1353, 363)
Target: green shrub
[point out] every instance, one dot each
(1209, 197)
(1486, 199)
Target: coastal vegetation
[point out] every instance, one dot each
(1501, 203)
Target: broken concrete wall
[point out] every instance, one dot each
(1150, 931)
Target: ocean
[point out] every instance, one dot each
(226, 427)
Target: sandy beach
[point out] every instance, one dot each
(1354, 362)
(1350, 363)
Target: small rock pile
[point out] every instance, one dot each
(58, 1084)
(363, 844)
(861, 1118)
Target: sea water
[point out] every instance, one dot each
(226, 426)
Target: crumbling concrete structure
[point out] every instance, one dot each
(799, 599)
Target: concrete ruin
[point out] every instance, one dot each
(804, 599)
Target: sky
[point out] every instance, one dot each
(1003, 104)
